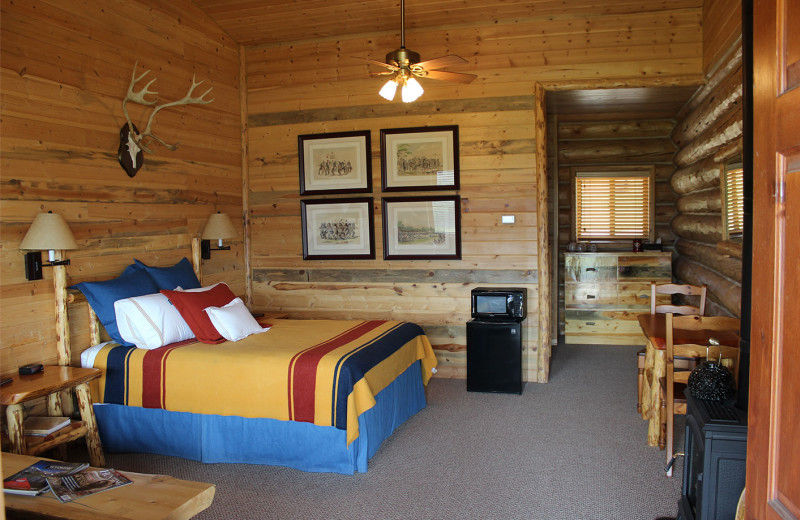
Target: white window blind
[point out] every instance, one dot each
(612, 205)
(734, 200)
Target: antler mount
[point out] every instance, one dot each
(130, 138)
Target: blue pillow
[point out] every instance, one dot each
(180, 274)
(102, 295)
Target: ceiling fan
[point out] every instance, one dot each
(404, 64)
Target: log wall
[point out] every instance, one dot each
(292, 89)
(65, 68)
(709, 133)
(599, 142)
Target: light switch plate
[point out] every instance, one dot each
(508, 219)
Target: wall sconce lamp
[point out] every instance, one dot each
(49, 232)
(218, 227)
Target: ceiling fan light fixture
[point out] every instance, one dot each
(389, 89)
(412, 90)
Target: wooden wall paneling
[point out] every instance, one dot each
(292, 89)
(65, 69)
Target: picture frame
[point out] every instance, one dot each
(422, 228)
(338, 229)
(338, 162)
(421, 158)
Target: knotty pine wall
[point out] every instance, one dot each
(603, 143)
(65, 68)
(292, 89)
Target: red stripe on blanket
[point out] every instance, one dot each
(154, 390)
(303, 370)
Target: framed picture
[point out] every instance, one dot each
(424, 158)
(338, 228)
(335, 163)
(422, 227)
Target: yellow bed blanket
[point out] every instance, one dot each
(324, 372)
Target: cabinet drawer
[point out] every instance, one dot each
(590, 294)
(590, 268)
(642, 267)
(601, 322)
(635, 295)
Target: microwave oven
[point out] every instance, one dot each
(499, 303)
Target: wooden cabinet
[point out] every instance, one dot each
(605, 291)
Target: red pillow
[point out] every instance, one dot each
(191, 304)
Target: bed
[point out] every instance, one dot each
(315, 395)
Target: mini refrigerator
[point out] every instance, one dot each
(494, 356)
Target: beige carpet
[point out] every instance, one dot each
(570, 449)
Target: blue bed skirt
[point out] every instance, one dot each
(218, 438)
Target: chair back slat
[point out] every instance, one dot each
(683, 289)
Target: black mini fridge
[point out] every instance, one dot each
(494, 356)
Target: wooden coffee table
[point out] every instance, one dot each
(150, 497)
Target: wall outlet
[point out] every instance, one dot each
(507, 219)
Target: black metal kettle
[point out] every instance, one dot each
(710, 380)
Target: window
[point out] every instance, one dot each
(733, 196)
(613, 204)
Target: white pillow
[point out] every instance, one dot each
(233, 321)
(150, 321)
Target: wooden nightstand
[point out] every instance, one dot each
(48, 383)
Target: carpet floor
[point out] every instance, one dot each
(571, 449)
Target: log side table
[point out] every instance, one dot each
(49, 383)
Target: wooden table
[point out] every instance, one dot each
(654, 327)
(49, 383)
(150, 497)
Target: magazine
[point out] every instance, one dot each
(72, 487)
(32, 480)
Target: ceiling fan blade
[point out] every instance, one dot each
(376, 62)
(451, 60)
(459, 77)
(365, 75)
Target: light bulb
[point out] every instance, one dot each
(388, 90)
(411, 90)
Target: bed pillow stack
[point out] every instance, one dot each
(138, 279)
(150, 307)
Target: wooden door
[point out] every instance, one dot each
(773, 450)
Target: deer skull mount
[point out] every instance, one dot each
(131, 142)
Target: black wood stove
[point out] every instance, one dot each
(714, 466)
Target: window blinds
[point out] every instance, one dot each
(734, 200)
(612, 206)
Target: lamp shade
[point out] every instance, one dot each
(219, 226)
(49, 231)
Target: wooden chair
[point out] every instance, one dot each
(674, 383)
(686, 310)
